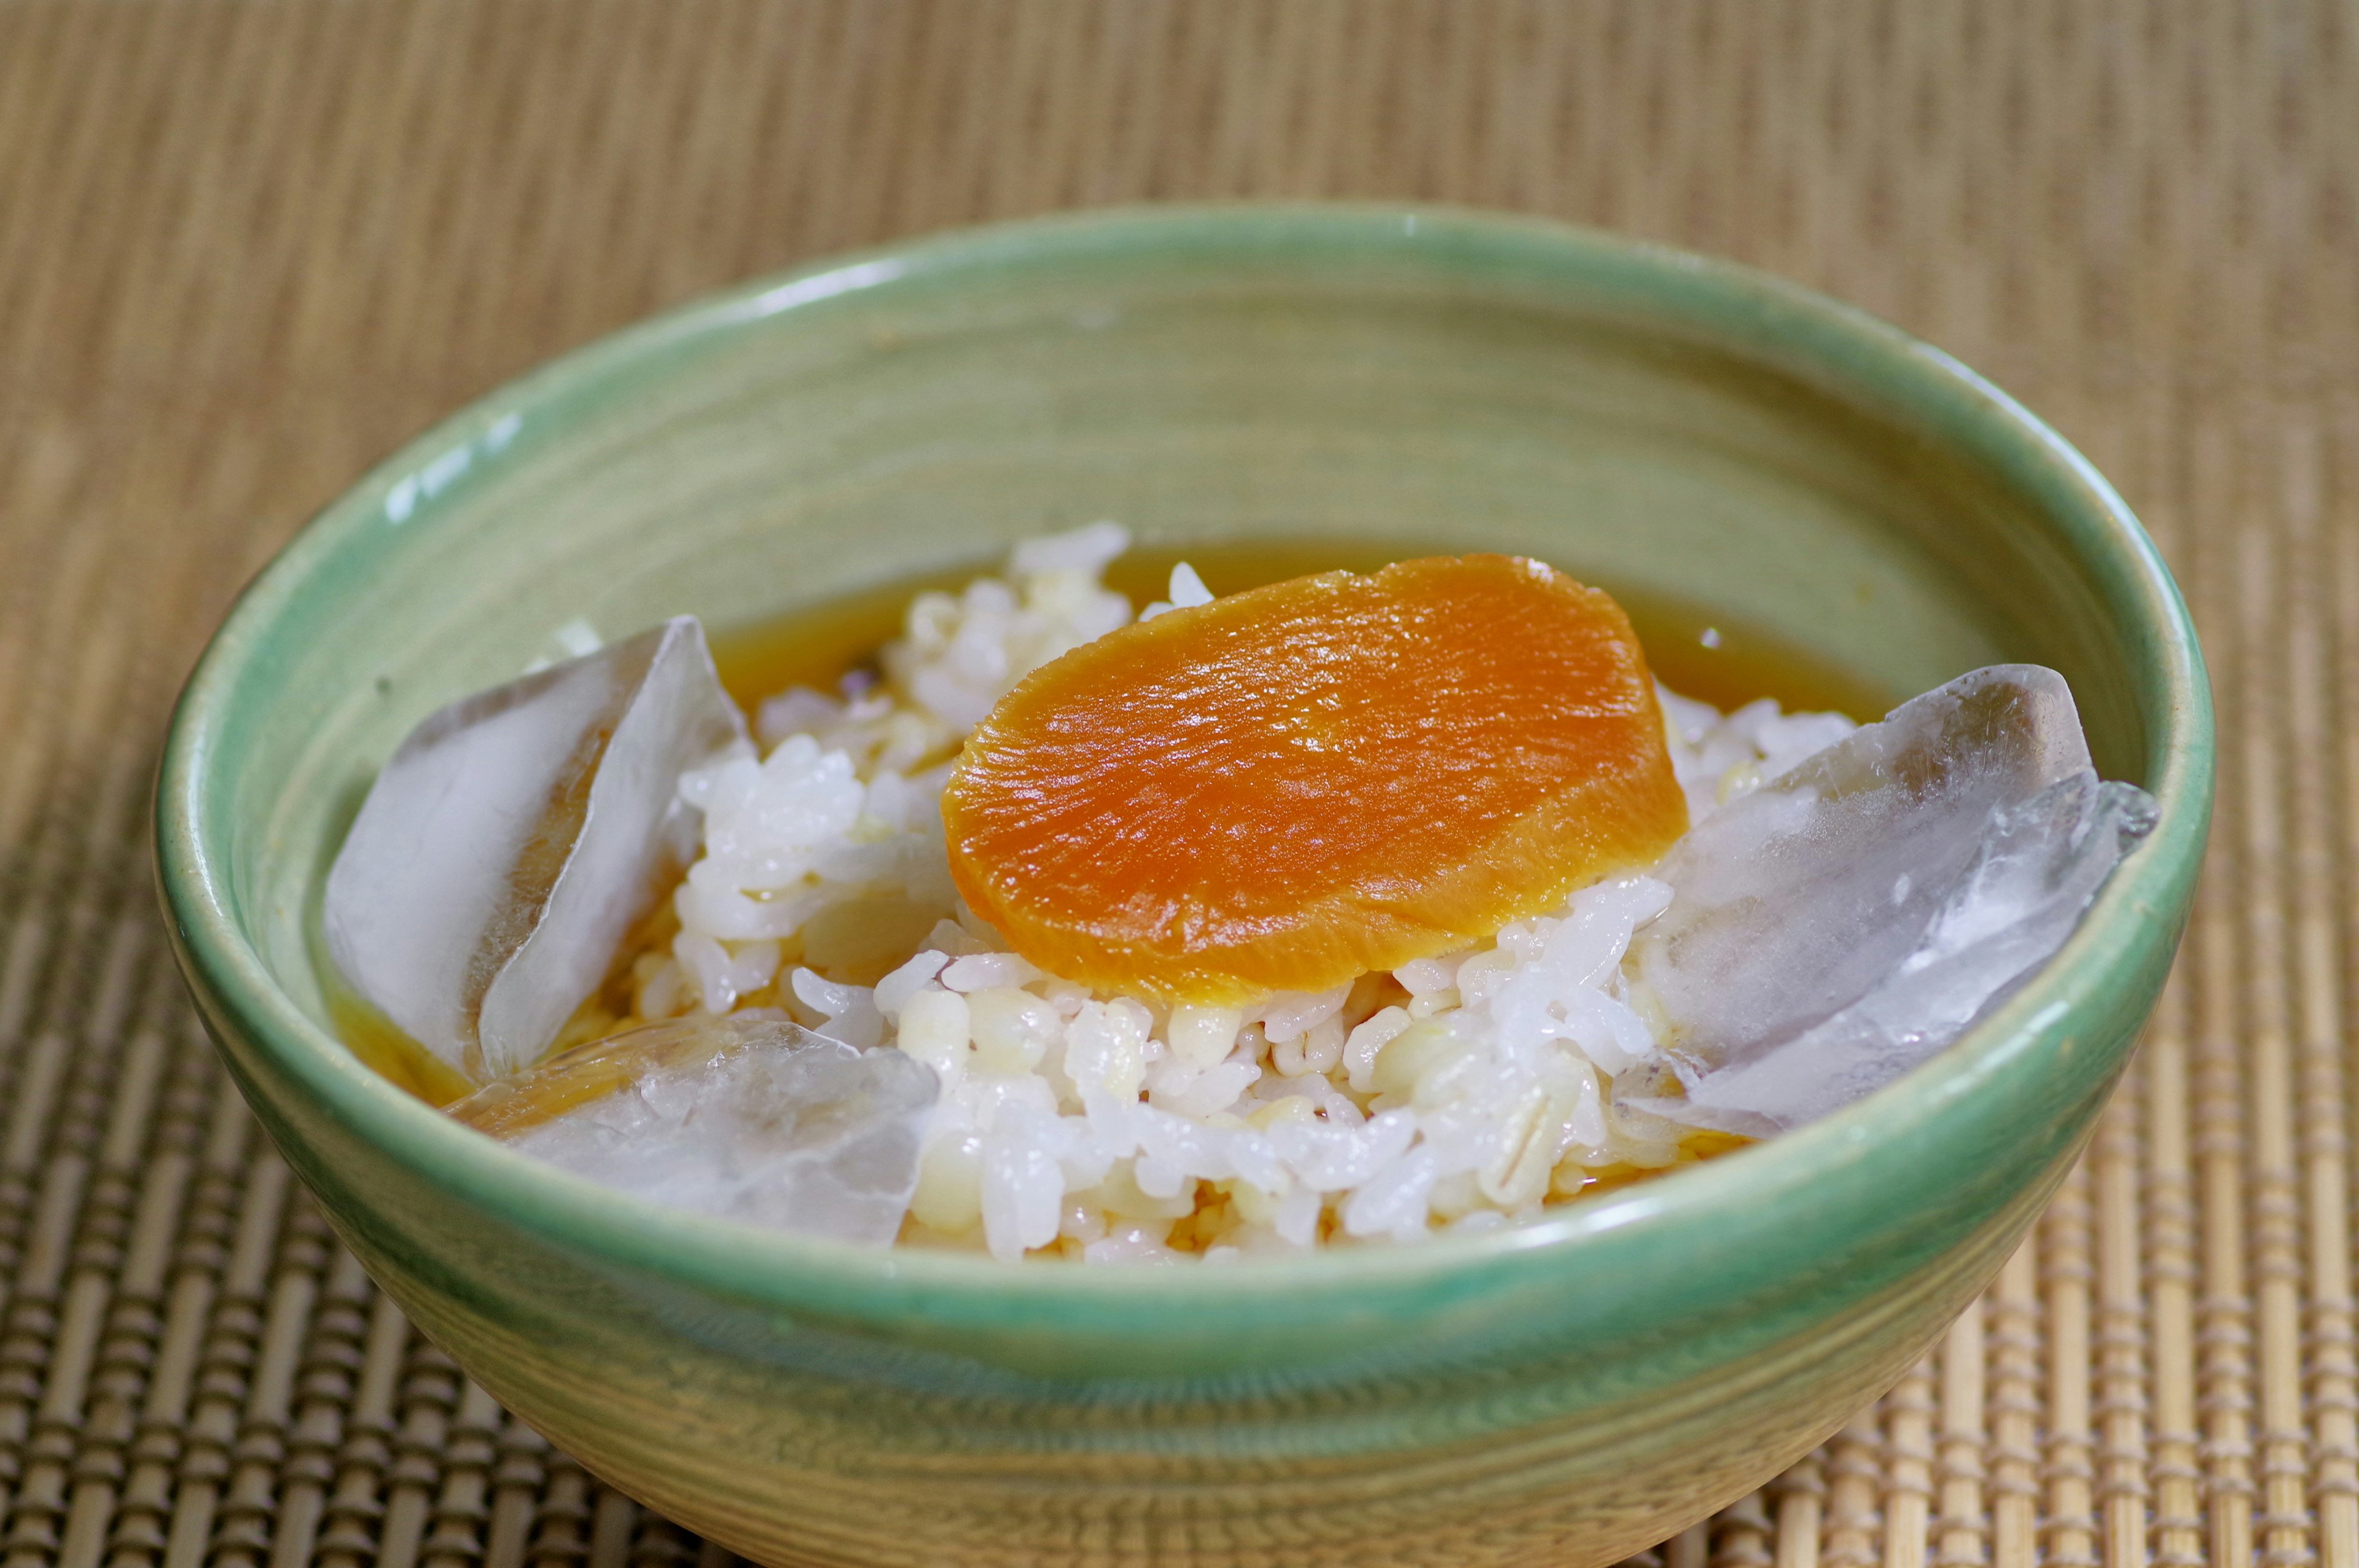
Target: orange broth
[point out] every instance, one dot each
(1711, 658)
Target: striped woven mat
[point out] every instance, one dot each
(247, 245)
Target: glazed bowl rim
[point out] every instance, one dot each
(1750, 313)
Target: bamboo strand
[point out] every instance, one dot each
(332, 1357)
(348, 1536)
(522, 1472)
(1962, 1530)
(2275, 1212)
(463, 1508)
(1741, 1535)
(2121, 1404)
(1909, 1468)
(561, 1534)
(1855, 1473)
(429, 1396)
(2223, 1312)
(2013, 1307)
(613, 1520)
(2173, 1468)
(1801, 1494)
(2069, 1469)
(2334, 1392)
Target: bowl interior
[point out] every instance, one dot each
(1649, 422)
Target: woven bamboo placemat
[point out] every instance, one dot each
(245, 247)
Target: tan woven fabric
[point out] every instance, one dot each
(244, 247)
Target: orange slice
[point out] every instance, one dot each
(1291, 788)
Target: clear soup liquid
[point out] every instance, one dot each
(1713, 659)
(1698, 655)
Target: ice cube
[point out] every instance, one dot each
(1850, 918)
(508, 844)
(750, 1116)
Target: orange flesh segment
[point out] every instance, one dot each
(1291, 788)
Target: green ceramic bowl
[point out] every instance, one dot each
(1564, 1393)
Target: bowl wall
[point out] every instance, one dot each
(1644, 421)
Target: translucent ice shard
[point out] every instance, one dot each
(1852, 917)
(749, 1117)
(507, 846)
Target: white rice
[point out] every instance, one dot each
(1458, 1093)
